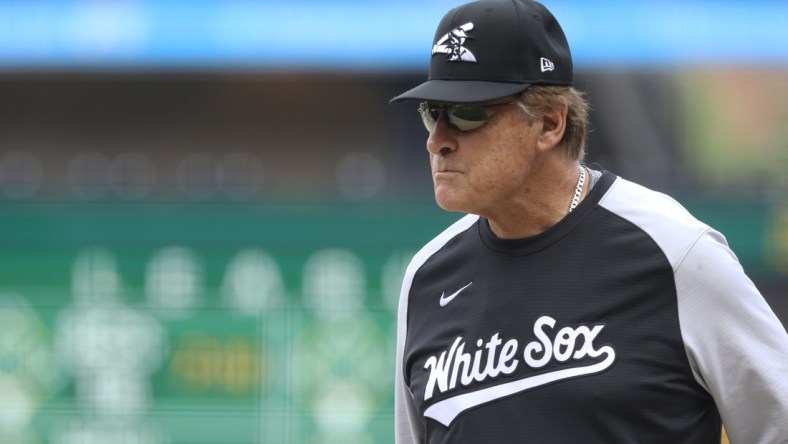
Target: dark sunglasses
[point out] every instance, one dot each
(460, 117)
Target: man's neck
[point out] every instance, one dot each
(539, 207)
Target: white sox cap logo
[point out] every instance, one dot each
(452, 42)
(455, 365)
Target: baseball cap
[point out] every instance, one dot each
(490, 49)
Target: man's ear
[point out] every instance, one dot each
(553, 125)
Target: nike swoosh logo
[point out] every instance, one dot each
(447, 410)
(445, 300)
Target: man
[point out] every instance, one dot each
(569, 305)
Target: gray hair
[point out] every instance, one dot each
(541, 98)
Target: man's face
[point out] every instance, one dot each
(483, 171)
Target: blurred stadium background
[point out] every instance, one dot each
(206, 207)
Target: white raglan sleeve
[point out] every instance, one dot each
(737, 347)
(407, 428)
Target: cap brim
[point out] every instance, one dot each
(460, 91)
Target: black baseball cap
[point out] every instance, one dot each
(490, 49)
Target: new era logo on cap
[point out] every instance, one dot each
(547, 65)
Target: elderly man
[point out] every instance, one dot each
(569, 305)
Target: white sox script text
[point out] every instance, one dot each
(496, 357)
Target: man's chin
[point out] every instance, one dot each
(451, 205)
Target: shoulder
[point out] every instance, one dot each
(660, 216)
(421, 257)
(432, 247)
(435, 245)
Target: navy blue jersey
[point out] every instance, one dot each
(628, 321)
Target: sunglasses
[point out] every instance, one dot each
(460, 117)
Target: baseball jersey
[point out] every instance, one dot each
(629, 321)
